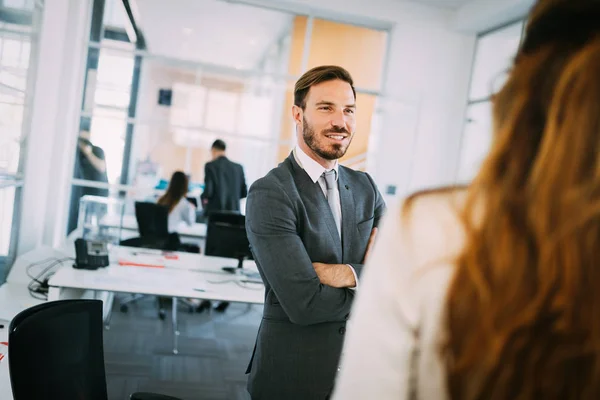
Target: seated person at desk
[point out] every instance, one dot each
(180, 209)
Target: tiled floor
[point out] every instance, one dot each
(214, 351)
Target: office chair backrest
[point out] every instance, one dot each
(152, 219)
(226, 235)
(55, 351)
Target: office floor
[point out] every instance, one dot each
(213, 352)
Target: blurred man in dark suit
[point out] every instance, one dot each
(224, 182)
(224, 187)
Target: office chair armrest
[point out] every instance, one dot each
(151, 396)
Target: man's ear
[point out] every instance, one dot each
(297, 113)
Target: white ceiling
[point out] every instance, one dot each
(445, 4)
(211, 31)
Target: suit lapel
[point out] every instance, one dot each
(311, 192)
(348, 216)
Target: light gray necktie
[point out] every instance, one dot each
(332, 198)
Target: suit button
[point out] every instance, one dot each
(342, 330)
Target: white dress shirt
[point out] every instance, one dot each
(315, 172)
(183, 211)
(393, 337)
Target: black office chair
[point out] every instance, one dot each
(226, 237)
(56, 352)
(153, 227)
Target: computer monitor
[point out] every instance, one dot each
(226, 237)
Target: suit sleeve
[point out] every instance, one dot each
(244, 188)
(280, 253)
(378, 214)
(207, 193)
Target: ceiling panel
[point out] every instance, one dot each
(211, 31)
(445, 4)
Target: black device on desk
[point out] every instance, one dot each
(90, 254)
(226, 237)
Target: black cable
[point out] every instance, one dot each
(27, 268)
(54, 263)
(40, 291)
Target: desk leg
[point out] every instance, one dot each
(58, 293)
(107, 300)
(175, 327)
(53, 293)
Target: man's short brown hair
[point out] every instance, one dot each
(318, 75)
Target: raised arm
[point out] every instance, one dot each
(279, 251)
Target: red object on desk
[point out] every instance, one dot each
(1, 354)
(134, 264)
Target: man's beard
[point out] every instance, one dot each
(310, 138)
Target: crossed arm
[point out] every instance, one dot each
(309, 293)
(341, 275)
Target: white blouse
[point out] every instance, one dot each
(184, 211)
(393, 336)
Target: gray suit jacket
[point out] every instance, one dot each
(290, 226)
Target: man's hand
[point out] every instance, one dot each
(370, 244)
(335, 275)
(85, 148)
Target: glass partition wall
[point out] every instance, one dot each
(165, 80)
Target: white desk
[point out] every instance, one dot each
(190, 275)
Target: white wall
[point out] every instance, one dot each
(429, 73)
(54, 121)
(149, 139)
(425, 90)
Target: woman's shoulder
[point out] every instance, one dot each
(444, 199)
(419, 242)
(431, 222)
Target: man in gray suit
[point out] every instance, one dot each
(310, 223)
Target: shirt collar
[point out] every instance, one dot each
(312, 168)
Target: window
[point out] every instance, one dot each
(17, 56)
(494, 54)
